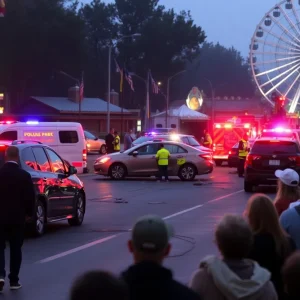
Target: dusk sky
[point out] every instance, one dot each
(231, 22)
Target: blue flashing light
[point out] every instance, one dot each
(32, 122)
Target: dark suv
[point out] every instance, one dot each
(266, 156)
(60, 193)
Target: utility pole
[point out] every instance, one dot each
(108, 90)
(147, 112)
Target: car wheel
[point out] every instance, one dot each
(102, 150)
(39, 222)
(117, 171)
(219, 163)
(248, 187)
(187, 172)
(79, 211)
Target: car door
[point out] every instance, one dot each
(178, 156)
(144, 163)
(66, 188)
(48, 183)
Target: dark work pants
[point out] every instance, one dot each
(163, 171)
(241, 166)
(14, 235)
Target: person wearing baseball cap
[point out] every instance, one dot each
(147, 278)
(287, 189)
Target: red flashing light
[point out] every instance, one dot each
(247, 125)
(218, 125)
(250, 158)
(228, 125)
(7, 122)
(84, 155)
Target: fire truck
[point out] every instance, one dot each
(226, 135)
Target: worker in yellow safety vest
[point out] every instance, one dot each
(116, 142)
(207, 142)
(243, 152)
(162, 157)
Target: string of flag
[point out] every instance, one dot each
(124, 73)
(155, 88)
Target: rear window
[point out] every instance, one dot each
(142, 139)
(68, 137)
(276, 147)
(193, 142)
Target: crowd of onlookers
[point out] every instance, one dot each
(258, 256)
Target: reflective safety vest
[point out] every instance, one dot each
(162, 156)
(117, 146)
(244, 152)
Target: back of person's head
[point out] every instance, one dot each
(263, 218)
(98, 285)
(150, 239)
(287, 185)
(291, 275)
(233, 237)
(161, 146)
(112, 130)
(116, 132)
(12, 154)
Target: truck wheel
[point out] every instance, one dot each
(248, 187)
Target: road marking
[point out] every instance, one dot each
(74, 250)
(103, 240)
(200, 205)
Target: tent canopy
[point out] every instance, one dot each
(184, 113)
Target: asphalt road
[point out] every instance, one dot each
(52, 262)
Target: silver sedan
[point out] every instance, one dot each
(139, 161)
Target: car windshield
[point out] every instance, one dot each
(142, 139)
(274, 147)
(193, 142)
(89, 136)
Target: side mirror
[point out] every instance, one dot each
(135, 153)
(95, 139)
(72, 171)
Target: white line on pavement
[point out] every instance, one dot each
(103, 240)
(62, 254)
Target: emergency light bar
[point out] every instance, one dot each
(32, 122)
(279, 130)
(7, 122)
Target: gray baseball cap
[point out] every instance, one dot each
(151, 234)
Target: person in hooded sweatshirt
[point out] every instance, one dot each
(147, 278)
(232, 277)
(271, 244)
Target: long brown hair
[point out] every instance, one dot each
(286, 192)
(263, 218)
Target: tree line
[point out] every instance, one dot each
(41, 38)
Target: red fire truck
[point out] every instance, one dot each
(226, 135)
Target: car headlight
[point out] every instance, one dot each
(102, 160)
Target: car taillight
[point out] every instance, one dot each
(206, 156)
(84, 155)
(250, 158)
(295, 159)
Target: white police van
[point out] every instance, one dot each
(66, 138)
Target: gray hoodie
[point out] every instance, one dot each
(232, 280)
(290, 222)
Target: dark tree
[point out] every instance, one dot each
(227, 70)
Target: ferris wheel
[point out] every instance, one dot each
(275, 53)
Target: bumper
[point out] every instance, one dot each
(259, 177)
(101, 169)
(206, 168)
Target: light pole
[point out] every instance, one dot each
(168, 93)
(109, 74)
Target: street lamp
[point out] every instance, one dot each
(168, 93)
(109, 74)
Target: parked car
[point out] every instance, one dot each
(182, 138)
(60, 194)
(94, 144)
(266, 156)
(233, 156)
(140, 161)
